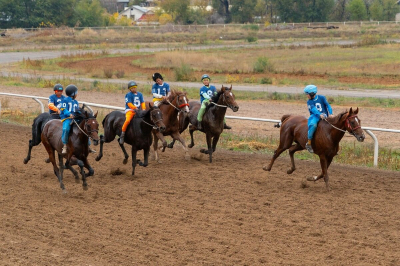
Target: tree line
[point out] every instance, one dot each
(90, 13)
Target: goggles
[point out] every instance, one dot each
(206, 79)
(133, 87)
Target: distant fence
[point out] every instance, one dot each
(271, 26)
(367, 129)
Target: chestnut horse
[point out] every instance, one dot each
(77, 147)
(325, 142)
(213, 119)
(138, 133)
(174, 104)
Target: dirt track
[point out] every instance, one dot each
(179, 213)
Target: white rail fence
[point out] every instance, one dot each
(367, 129)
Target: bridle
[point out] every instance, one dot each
(153, 126)
(179, 108)
(219, 105)
(89, 131)
(347, 125)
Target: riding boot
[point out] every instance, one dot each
(227, 127)
(308, 147)
(121, 138)
(91, 150)
(64, 149)
(199, 125)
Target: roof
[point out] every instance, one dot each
(122, 1)
(141, 9)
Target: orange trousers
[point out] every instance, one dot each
(128, 117)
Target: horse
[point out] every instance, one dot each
(77, 147)
(37, 128)
(325, 142)
(171, 107)
(138, 134)
(213, 119)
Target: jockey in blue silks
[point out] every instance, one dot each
(68, 107)
(319, 109)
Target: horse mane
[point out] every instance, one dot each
(215, 98)
(336, 119)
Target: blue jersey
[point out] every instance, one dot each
(160, 90)
(56, 101)
(68, 106)
(134, 98)
(210, 91)
(319, 105)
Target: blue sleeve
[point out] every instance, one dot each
(312, 108)
(167, 87)
(328, 106)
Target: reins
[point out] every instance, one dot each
(83, 130)
(347, 125)
(153, 126)
(180, 106)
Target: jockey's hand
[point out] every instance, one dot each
(322, 116)
(58, 111)
(71, 116)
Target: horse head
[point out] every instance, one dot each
(157, 118)
(182, 102)
(353, 125)
(229, 98)
(91, 126)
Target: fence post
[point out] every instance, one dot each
(375, 147)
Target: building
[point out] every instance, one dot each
(136, 12)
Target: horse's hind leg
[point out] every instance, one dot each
(100, 155)
(277, 152)
(126, 156)
(61, 171)
(155, 148)
(68, 165)
(292, 150)
(81, 165)
(87, 166)
(177, 136)
(28, 157)
(191, 138)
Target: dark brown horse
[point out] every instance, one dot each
(77, 147)
(213, 119)
(293, 136)
(176, 103)
(138, 133)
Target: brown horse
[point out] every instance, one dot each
(77, 147)
(138, 133)
(325, 142)
(176, 103)
(213, 119)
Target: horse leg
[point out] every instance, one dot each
(125, 153)
(155, 148)
(277, 152)
(177, 136)
(68, 165)
(100, 155)
(292, 150)
(61, 170)
(134, 152)
(87, 166)
(324, 173)
(81, 165)
(28, 157)
(209, 151)
(171, 145)
(214, 142)
(191, 138)
(146, 152)
(164, 142)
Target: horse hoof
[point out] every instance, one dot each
(290, 171)
(97, 158)
(125, 161)
(203, 151)
(159, 161)
(26, 161)
(190, 145)
(170, 146)
(64, 191)
(312, 178)
(265, 168)
(85, 187)
(77, 180)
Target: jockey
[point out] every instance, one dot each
(55, 100)
(206, 92)
(319, 109)
(160, 89)
(133, 101)
(68, 107)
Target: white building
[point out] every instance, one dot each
(135, 12)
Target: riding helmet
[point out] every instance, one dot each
(157, 76)
(58, 87)
(205, 76)
(71, 90)
(311, 90)
(131, 84)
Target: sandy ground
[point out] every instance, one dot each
(230, 212)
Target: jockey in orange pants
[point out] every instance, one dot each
(133, 101)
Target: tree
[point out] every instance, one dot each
(179, 9)
(357, 10)
(242, 11)
(376, 10)
(88, 13)
(340, 13)
(53, 12)
(222, 7)
(390, 9)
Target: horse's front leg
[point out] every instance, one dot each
(81, 166)
(68, 165)
(87, 166)
(171, 145)
(155, 148)
(125, 153)
(215, 142)
(60, 172)
(191, 130)
(100, 155)
(177, 136)
(146, 152)
(277, 152)
(164, 142)
(324, 172)
(209, 151)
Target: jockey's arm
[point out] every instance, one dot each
(132, 106)
(53, 107)
(206, 96)
(143, 106)
(156, 95)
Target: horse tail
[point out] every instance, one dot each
(37, 128)
(284, 117)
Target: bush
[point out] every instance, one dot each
(263, 65)
(183, 73)
(108, 73)
(266, 80)
(120, 73)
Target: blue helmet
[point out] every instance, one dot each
(205, 76)
(311, 90)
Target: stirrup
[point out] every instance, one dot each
(227, 127)
(92, 151)
(64, 150)
(309, 148)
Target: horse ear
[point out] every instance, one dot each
(230, 87)
(222, 88)
(95, 115)
(351, 111)
(356, 111)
